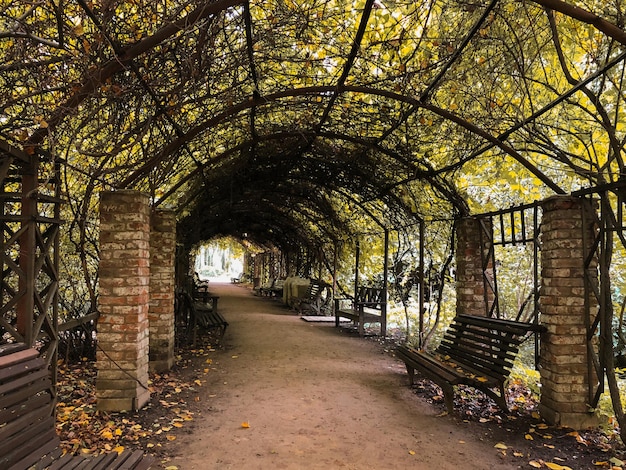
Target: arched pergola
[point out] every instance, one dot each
(272, 118)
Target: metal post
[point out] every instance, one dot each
(357, 255)
(383, 313)
(421, 285)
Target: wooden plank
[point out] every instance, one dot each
(30, 444)
(128, 460)
(15, 352)
(67, 462)
(9, 372)
(12, 399)
(105, 462)
(50, 449)
(27, 417)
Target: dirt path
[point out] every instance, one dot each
(315, 398)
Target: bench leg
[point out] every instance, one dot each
(361, 326)
(448, 396)
(411, 372)
(336, 320)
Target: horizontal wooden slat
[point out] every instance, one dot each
(29, 443)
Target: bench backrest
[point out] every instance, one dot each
(314, 290)
(486, 346)
(372, 297)
(27, 423)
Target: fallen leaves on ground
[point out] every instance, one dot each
(83, 429)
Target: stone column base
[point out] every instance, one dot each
(570, 420)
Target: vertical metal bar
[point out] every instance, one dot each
(383, 313)
(357, 256)
(536, 281)
(502, 236)
(513, 227)
(334, 289)
(421, 285)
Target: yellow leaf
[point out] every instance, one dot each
(107, 434)
(580, 440)
(177, 424)
(197, 382)
(556, 466)
(412, 452)
(534, 463)
(171, 467)
(118, 432)
(245, 425)
(501, 445)
(481, 379)
(119, 449)
(535, 415)
(170, 437)
(518, 454)
(528, 437)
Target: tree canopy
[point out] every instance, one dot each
(288, 120)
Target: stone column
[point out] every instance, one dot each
(564, 362)
(162, 284)
(470, 285)
(124, 274)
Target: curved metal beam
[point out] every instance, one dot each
(324, 90)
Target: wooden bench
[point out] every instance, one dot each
(272, 289)
(200, 288)
(313, 302)
(28, 437)
(199, 315)
(368, 306)
(475, 351)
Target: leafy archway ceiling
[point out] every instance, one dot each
(284, 118)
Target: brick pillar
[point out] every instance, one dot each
(162, 283)
(470, 287)
(564, 381)
(124, 274)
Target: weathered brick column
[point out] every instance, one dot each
(564, 382)
(470, 287)
(124, 275)
(162, 284)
